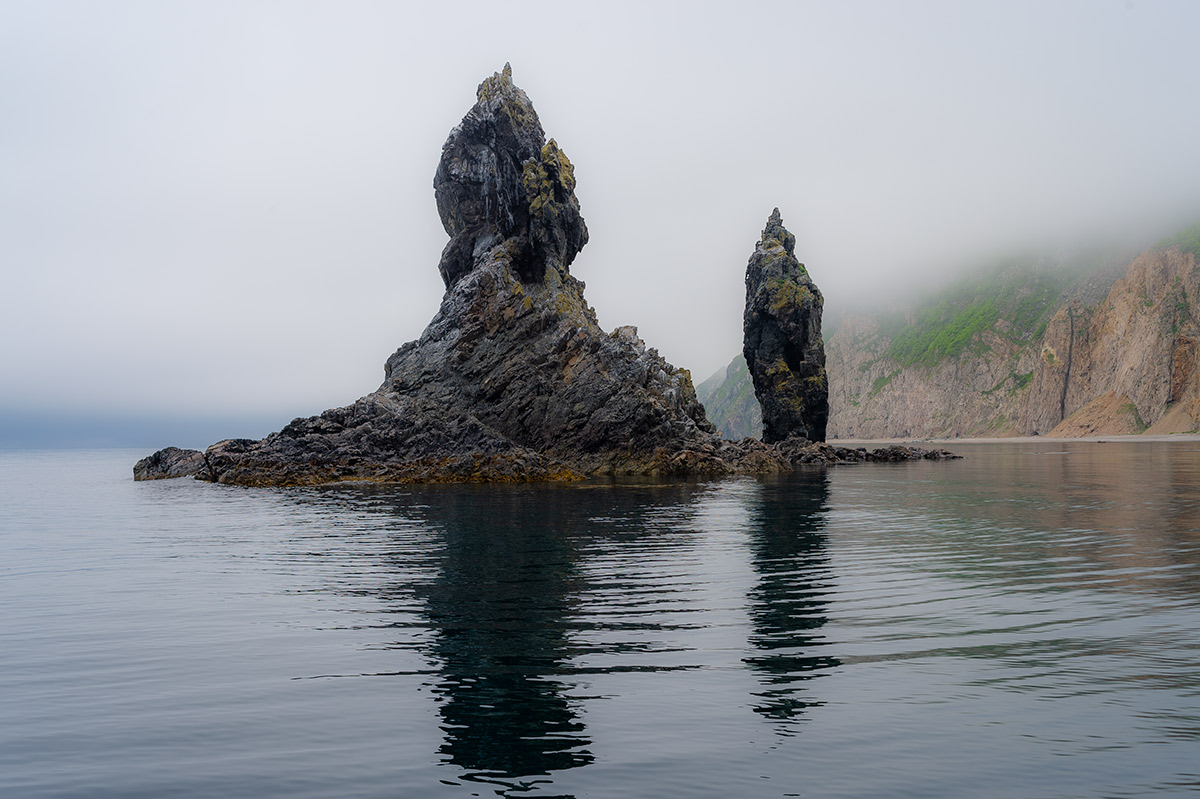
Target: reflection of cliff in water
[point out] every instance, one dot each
(1115, 516)
(788, 605)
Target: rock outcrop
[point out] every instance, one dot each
(169, 462)
(513, 379)
(782, 346)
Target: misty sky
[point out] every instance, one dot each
(224, 208)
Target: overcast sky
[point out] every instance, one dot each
(227, 207)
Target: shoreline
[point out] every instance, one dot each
(1115, 439)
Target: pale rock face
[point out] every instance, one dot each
(871, 397)
(1139, 344)
(1121, 360)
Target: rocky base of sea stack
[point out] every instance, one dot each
(224, 463)
(800, 452)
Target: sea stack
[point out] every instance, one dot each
(513, 379)
(782, 346)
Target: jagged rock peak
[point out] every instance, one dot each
(776, 232)
(784, 351)
(500, 184)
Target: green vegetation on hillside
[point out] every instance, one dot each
(1188, 240)
(729, 401)
(1013, 300)
(882, 381)
(943, 331)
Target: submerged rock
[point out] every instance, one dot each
(782, 346)
(169, 462)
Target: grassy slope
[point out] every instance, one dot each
(1014, 299)
(1188, 239)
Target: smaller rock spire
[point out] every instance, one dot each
(783, 347)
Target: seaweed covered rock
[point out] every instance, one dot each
(783, 347)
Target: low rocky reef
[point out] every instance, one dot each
(514, 380)
(790, 455)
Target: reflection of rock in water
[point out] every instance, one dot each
(498, 609)
(788, 605)
(486, 583)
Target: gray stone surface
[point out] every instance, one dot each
(499, 182)
(169, 462)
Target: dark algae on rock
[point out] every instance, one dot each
(782, 346)
(513, 379)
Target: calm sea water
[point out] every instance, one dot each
(1025, 622)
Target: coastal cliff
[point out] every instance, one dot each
(729, 401)
(1099, 353)
(1128, 364)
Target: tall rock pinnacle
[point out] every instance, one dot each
(783, 347)
(499, 182)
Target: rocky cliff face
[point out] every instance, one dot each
(1030, 354)
(784, 353)
(873, 396)
(1127, 363)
